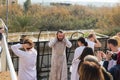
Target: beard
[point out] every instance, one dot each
(59, 39)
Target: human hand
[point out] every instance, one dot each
(100, 55)
(108, 55)
(24, 46)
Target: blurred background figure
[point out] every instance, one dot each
(23, 38)
(111, 55)
(93, 41)
(107, 75)
(27, 60)
(115, 70)
(90, 71)
(117, 37)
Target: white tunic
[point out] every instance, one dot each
(58, 60)
(90, 43)
(75, 63)
(27, 62)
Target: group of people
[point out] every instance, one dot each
(86, 64)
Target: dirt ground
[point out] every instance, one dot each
(5, 75)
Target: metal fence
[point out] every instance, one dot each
(44, 57)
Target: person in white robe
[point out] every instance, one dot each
(78, 51)
(58, 61)
(93, 41)
(27, 60)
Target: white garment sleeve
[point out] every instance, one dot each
(16, 49)
(68, 43)
(52, 42)
(76, 55)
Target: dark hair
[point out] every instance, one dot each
(86, 51)
(113, 42)
(82, 40)
(59, 31)
(22, 38)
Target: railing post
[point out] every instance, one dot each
(3, 58)
(9, 60)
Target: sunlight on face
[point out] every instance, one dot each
(60, 36)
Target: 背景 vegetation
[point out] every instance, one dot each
(30, 17)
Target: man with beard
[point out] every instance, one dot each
(58, 60)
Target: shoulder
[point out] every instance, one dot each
(89, 42)
(114, 68)
(34, 50)
(80, 48)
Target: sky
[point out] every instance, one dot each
(38, 1)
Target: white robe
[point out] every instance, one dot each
(90, 44)
(27, 62)
(58, 60)
(75, 63)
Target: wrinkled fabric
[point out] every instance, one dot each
(27, 62)
(58, 60)
(75, 63)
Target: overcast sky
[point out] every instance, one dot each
(38, 1)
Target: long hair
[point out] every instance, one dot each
(86, 51)
(90, 71)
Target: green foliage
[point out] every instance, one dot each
(106, 20)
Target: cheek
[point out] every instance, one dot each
(79, 43)
(108, 46)
(60, 36)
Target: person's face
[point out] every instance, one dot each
(79, 43)
(60, 36)
(109, 46)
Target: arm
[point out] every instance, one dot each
(17, 51)
(97, 44)
(68, 43)
(52, 42)
(106, 62)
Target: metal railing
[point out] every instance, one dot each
(6, 55)
(44, 57)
